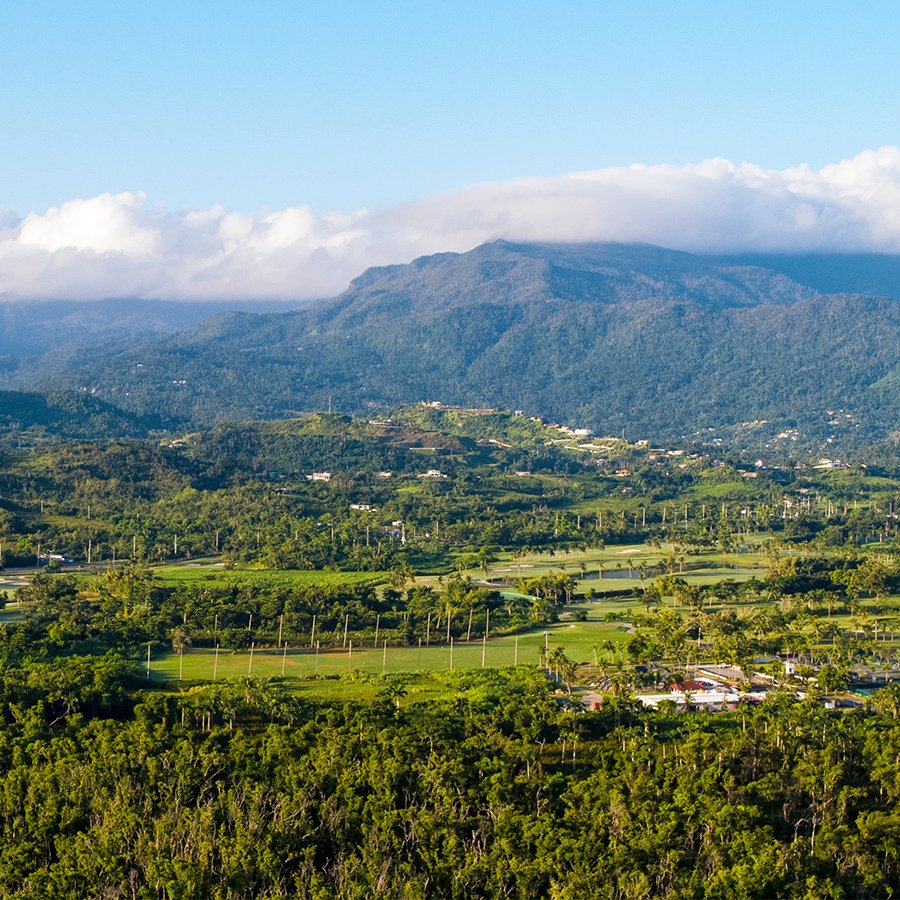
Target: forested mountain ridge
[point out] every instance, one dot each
(658, 342)
(69, 414)
(32, 328)
(877, 274)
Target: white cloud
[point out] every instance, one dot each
(109, 223)
(119, 245)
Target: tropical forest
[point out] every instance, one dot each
(444, 652)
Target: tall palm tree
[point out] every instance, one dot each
(181, 641)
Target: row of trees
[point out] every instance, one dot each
(132, 608)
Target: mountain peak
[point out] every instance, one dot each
(504, 272)
(604, 336)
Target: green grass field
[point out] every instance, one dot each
(577, 638)
(336, 673)
(212, 572)
(12, 583)
(621, 564)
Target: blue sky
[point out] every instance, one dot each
(277, 149)
(349, 105)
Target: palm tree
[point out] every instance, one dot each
(566, 666)
(181, 641)
(393, 693)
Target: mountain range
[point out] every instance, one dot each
(614, 338)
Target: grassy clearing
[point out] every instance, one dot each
(620, 566)
(577, 638)
(12, 583)
(213, 573)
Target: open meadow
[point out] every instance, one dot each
(210, 571)
(600, 575)
(579, 639)
(621, 566)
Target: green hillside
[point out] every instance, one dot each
(610, 337)
(68, 414)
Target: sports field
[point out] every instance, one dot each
(577, 638)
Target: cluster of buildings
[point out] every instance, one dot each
(718, 687)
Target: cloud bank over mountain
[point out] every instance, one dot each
(122, 245)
